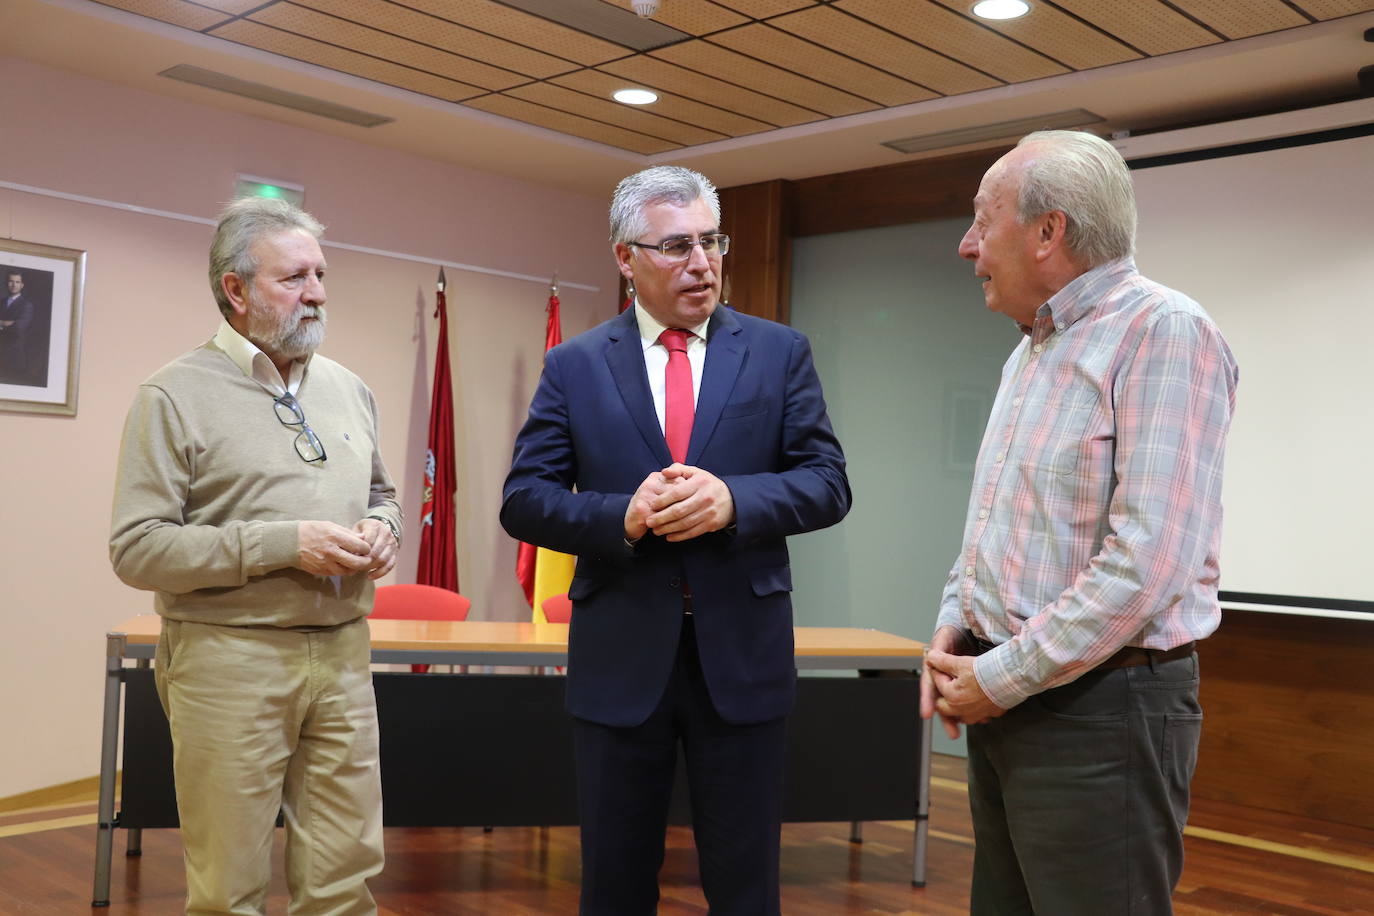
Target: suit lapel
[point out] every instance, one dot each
(725, 350)
(625, 357)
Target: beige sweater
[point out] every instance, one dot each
(210, 492)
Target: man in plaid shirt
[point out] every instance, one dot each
(1089, 568)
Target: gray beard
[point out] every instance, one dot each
(286, 338)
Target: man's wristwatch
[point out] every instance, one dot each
(395, 532)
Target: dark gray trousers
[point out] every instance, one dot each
(1080, 794)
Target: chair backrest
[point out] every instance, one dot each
(557, 608)
(419, 602)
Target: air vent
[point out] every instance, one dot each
(613, 23)
(223, 82)
(1003, 130)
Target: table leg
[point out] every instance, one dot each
(109, 749)
(856, 831)
(922, 829)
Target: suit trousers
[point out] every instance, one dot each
(624, 783)
(1079, 795)
(266, 719)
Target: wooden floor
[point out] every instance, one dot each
(1240, 861)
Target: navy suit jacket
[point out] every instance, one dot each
(761, 427)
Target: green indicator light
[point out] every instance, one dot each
(268, 190)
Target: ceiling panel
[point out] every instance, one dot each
(862, 40)
(186, 15)
(305, 49)
(761, 9)
(926, 22)
(695, 17)
(520, 110)
(444, 34)
(792, 53)
(1060, 36)
(1239, 20)
(236, 7)
(659, 74)
(691, 111)
(329, 29)
(1331, 9)
(726, 65)
(1145, 24)
(521, 28)
(640, 120)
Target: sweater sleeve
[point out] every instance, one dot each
(151, 545)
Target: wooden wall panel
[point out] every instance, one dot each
(759, 265)
(1289, 716)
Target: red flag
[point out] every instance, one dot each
(438, 545)
(525, 558)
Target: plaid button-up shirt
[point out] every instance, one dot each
(1095, 517)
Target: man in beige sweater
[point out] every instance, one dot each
(252, 500)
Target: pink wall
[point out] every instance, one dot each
(147, 301)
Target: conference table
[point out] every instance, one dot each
(493, 749)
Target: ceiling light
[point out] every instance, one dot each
(1001, 9)
(635, 96)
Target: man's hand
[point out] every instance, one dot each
(385, 548)
(327, 549)
(693, 502)
(949, 686)
(642, 505)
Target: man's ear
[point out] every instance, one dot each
(1050, 231)
(623, 254)
(237, 291)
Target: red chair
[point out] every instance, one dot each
(557, 608)
(419, 602)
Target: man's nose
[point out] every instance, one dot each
(968, 246)
(697, 260)
(314, 289)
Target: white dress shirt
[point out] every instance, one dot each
(656, 357)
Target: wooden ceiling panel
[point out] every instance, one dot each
(629, 117)
(927, 23)
(304, 49)
(1240, 20)
(789, 52)
(861, 39)
(1060, 36)
(321, 27)
(726, 65)
(521, 28)
(186, 15)
(561, 121)
(659, 74)
(237, 7)
(593, 82)
(1334, 9)
(695, 17)
(1145, 24)
(762, 9)
(441, 33)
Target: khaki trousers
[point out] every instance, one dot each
(265, 719)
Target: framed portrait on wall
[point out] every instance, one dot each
(41, 288)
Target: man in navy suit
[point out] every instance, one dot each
(682, 616)
(16, 327)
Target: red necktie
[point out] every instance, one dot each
(678, 404)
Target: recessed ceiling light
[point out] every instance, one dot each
(1001, 9)
(635, 96)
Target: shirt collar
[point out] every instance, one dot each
(255, 364)
(1080, 296)
(650, 328)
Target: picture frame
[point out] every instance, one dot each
(41, 292)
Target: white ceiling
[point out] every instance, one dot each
(1298, 66)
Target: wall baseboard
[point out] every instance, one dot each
(76, 792)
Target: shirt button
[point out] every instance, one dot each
(1000, 456)
(968, 570)
(1037, 348)
(1015, 402)
(982, 513)
(675, 582)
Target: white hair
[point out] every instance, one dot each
(241, 224)
(671, 184)
(1083, 176)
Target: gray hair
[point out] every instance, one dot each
(1086, 178)
(241, 224)
(671, 184)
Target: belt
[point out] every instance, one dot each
(1125, 657)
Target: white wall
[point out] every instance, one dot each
(147, 300)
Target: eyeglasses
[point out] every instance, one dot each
(289, 412)
(715, 245)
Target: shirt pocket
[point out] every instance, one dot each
(1058, 444)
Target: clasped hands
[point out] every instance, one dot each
(328, 549)
(679, 503)
(949, 686)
